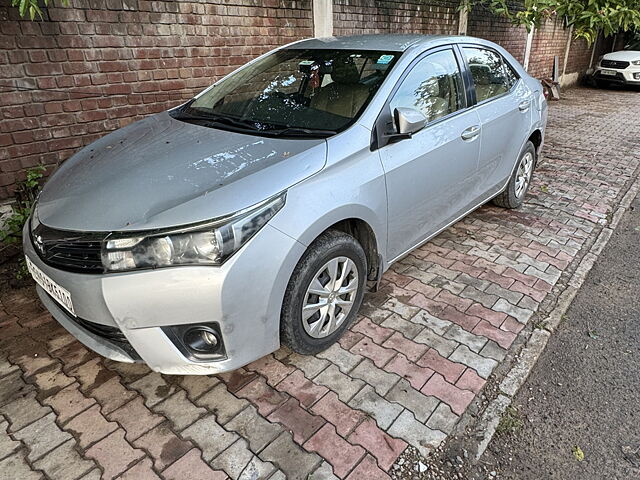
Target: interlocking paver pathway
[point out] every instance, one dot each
(417, 357)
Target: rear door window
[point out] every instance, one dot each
(492, 75)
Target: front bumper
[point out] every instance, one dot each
(626, 76)
(243, 296)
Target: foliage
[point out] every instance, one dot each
(26, 193)
(32, 7)
(511, 422)
(588, 17)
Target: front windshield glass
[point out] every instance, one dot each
(295, 90)
(633, 46)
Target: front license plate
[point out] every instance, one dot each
(61, 295)
(608, 72)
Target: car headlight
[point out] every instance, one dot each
(209, 243)
(635, 62)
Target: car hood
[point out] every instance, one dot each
(162, 172)
(623, 55)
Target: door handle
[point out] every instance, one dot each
(470, 133)
(524, 106)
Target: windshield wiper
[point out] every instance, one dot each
(216, 119)
(300, 132)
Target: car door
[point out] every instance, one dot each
(504, 104)
(429, 176)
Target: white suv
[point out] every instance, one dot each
(621, 67)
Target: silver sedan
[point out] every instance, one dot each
(257, 214)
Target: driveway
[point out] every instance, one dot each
(416, 360)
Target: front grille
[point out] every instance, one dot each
(619, 64)
(71, 251)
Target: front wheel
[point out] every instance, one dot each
(513, 195)
(324, 293)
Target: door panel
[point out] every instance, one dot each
(504, 107)
(430, 180)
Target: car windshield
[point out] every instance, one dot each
(293, 92)
(633, 46)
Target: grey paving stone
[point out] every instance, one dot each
(442, 419)
(484, 366)
(64, 463)
(252, 426)
(257, 469)
(234, 459)
(421, 405)
(180, 410)
(209, 436)
(323, 472)
(16, 467)
(396, 306)
(380, 380)
(521, 314)
(504, 294)
(340, 383)
(7, 445)
(460, 335)
(493, 350)
(223, 404)
(6, 367)
(444, 346)
(415, 433)
(42, 436)
(344, 359)
(407, 328)
(382, 410)
(436, 324)
(424, 277)
(295, 462)
(528, 303)
(479, 296)
(310, 365)
(153, 388)
(23, 410)
(13, 386)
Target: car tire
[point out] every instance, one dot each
(602, 84)
(324, 263)
(514, 194)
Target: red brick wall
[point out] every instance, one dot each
(483, 24)
(354, 17)
(101, 64)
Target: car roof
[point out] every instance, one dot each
(389, 42)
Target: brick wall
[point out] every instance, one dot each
(101, 64)
(354, 17)
(482, 23)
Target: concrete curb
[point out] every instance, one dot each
(537, 342)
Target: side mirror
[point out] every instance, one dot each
(408, 121)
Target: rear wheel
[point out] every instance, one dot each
(324, 293)
(513, 195)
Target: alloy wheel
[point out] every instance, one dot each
(523, 178)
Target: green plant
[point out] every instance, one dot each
(510, 422)
(32, 7)
(26, 193)
(588, 17)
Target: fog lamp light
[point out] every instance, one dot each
(636, 76)
(201, 339)
(199, 343)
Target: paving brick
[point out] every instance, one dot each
(383, 447)
(6, 367)
(234, 459)
(23, 410)
(412, 350)
(180, 410)
(295, 462)
(484, 366)
(415, 433)
(114, 454)
(304, 390)
(370, 402)
(220, 402)
(380, 380)
(368, 469)
(91, 374)
(143, 470)
(369, 349)
(298, 421)
(112, 395)
(192, 466)
(196, 385)
(521, 314)
(16, 467)
(90, 426)
(51, 379)
(456, 398)
(340, 383)
(343, 417)
(402, 309)
(502, 337)
(265, 398)
(448, 369)
(154, 388)
(33, 362)
(209, 436)
(323, 472)
(415, 374)
(420, 405)
(470, 380)
(254, 428)
(163, 446)
(311, 366)
(406, 327)
(443, 419)
(41, 436)
(7, 445)
(64, 462)
(435, 324)
(349, 339)
(237, 379)
(343, 359)
(68, 402)
(342, 456)
(443, 345)
(257, 469)
(135, 418)
(460, 335)
(273, 370)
